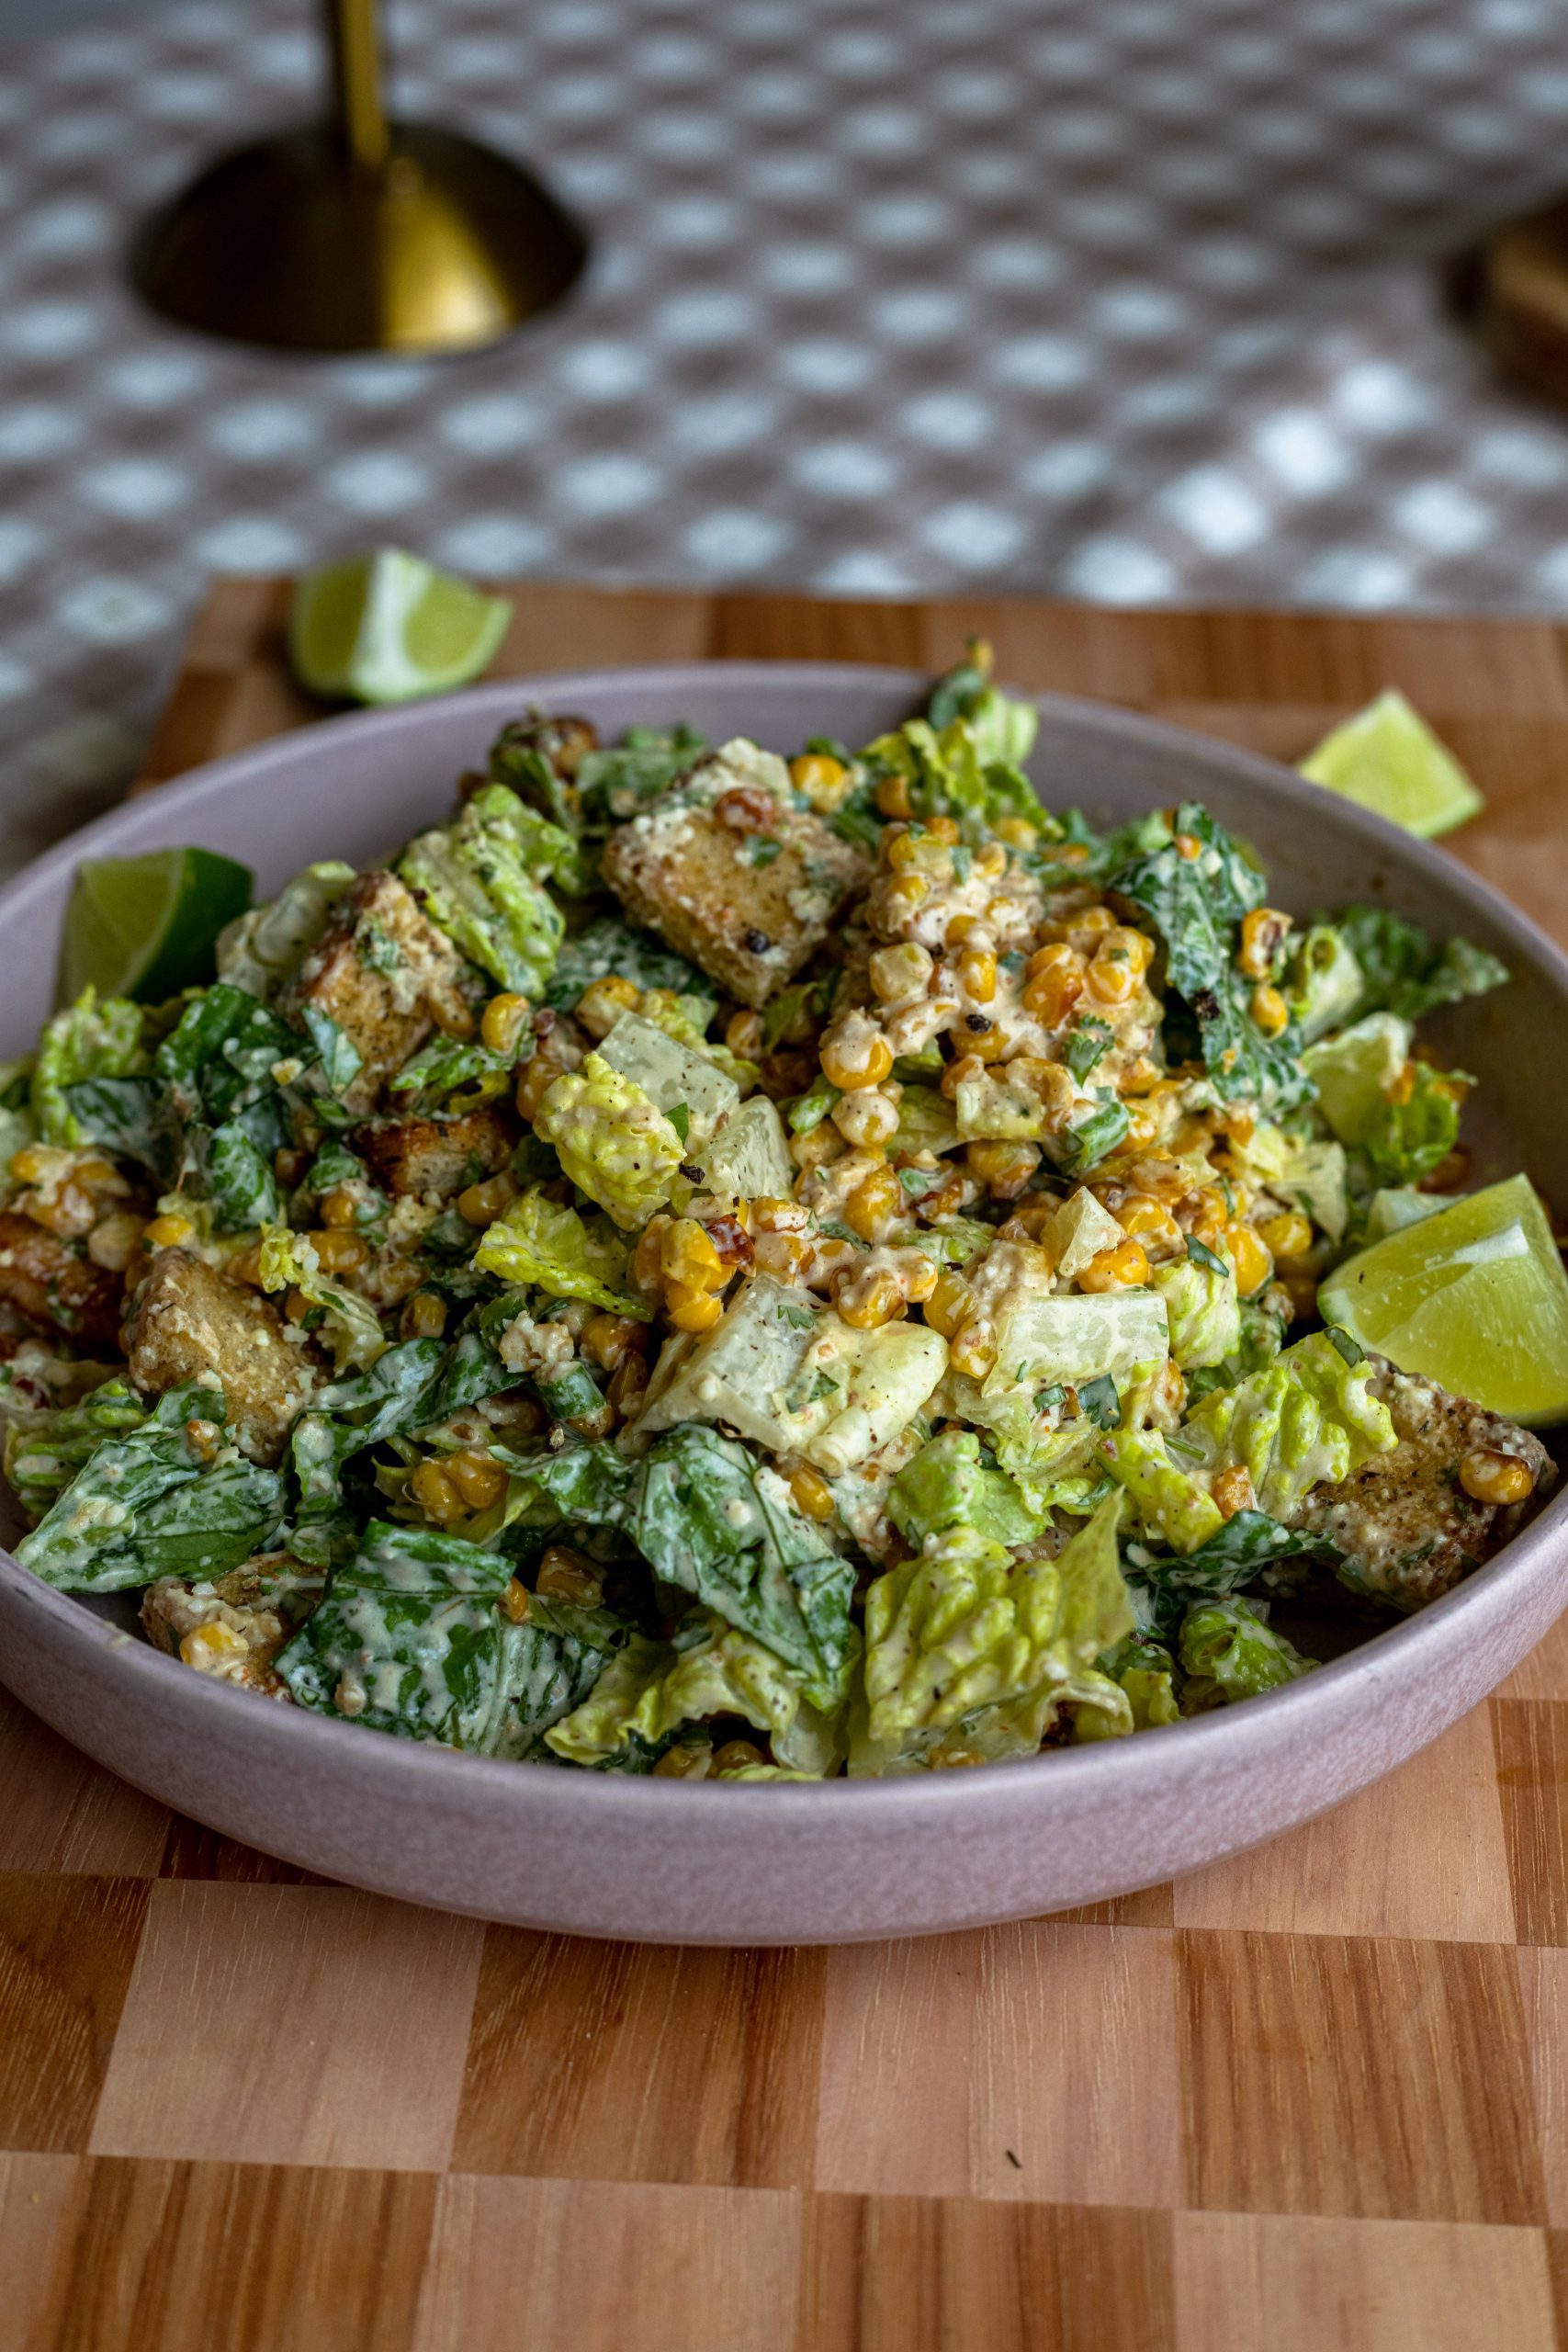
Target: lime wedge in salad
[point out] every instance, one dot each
(145, 927)
(1389, 759)
(1475, 1298)
(389, 627)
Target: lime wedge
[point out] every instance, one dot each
(1475, 1298)
(145, 927)
(1389, 759)
(389, 627)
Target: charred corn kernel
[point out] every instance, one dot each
(602, 1001)
(875, 1203)
(514, 1600)
(821, 779)
(425, 1317)
(503, 1021)
(893, 796)
(743, 1034)
(245, 1266)
(170, 1232)
(436, 1494)
(811, 1492)
(1029, 1221)
(1187, 845)
(1209, 1216)
(684, 1762)
(626, 1382)
(823, 1144)
(1124, 1266)
(991, 862)
(114, 1241)
(1492, 1477)
(1148, 1221)
(211, 1649)
(1017, 831)
(1116, 972)
(689, 1256)
(99, 1175)
(1055, 984)
(1250, 1257)
(648, 1258)
(737, 1755)
(1286, 1237)
(691, 1309)
(566, 1575)
(867, 1118)
(769, 1214)
(607, 1338)
(339, 1253)
(855, 1053)
(974, 1351)
(482, 1203)
(951, 1304)
(781, 1255)
(896, 973)
(296, 1306)
(1269, 1011)
(826, 1260)
(986, 1045)
(909, 891)
(338, 1207)
(868, 1301)
(41, 1163)
(203, 1438)
(1233, 1491)
(478, 1477)
(1262, 936)
(977, 973)
(1005, 1169)
(452, 1016)
(943, 829)
(959, 1071)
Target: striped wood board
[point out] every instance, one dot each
(1315, 2098)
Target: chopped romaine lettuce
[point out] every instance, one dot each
(614, 1142)
(610, 944)
(350, 1324)
(1403, 971)
(1229, 1651)
(261, 951)
(91, 1039)
(481, 881)
(652, 1691)
(948, 1484)
(540, 1243)
(1202, 1307)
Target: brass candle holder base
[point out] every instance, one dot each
(435, 244)
(1513, 292)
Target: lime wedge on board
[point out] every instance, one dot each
(1475, 1298)
(1388, 758)
(389, 627)
(145, 927)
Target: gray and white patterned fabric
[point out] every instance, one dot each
(1125, 299)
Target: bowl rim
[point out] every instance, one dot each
(1341, 1686)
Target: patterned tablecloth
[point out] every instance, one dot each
(1123, 299)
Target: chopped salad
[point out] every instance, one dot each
(710, 1265)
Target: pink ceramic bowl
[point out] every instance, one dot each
(682, 1863)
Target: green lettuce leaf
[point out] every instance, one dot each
(351, 1326)
(539, 1243)
(1247, 1547)
(1201, 1309)
(610, 944)
(949, 1484)
(614, 1142)
(260, 952)
(1229, 1651)
(1403, 971)
(88, 1040)
(1321, 982)
(481, 881)
(1408, 1139)
(44, 1449)
(650, 1694)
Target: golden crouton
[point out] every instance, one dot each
(416, 1157)
(383, 972)
(55, 1286)
(732, 874)
(188, 1323)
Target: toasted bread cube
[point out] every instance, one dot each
(736, 877)
(416, 1157)
(55, 1286)
(383, 972)
(188, 1323)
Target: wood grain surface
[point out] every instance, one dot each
(1314, 2098)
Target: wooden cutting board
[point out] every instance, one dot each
(1314, 2098)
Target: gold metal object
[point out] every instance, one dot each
(1513, 290)
(362, 235)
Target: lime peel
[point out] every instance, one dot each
(389, 628)
(1387, 758)
(145, 927)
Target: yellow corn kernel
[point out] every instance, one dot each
(991, 863)
(902, 849)
(737, 1755)
(482, 1203)
(977, 973)
(815, 1150)
(781, 1255)
(1017, 831)
(1031, 1220)
(893, 796)
(425, 1317)
(684, 1763)
(1111, 979)
(896, 973)
(771, 1216)
(867, 1118)
(951, 1304)
(688, 1256)
(1288, 1237)
(210, 1648)
(514, 1600)
(691, 1309)
(1149, 1220)
(822, 779)
(854, 1054)
(436, 1494)
(339, 1253)
(974, 1352)
(338, 1207)
(114, 1241)
(1055, 984)
(170, 1232)
(915, 1276)
(1187, 845)
(1492, 1477)
(811, 1492)
(1233, 1491)
(534, 1082)
(478, 1477)
(606, 1339)
(566, 1575)
(1124, 1266)
(1269, 1011)
(743, 1034)
(1209, 1221)
(98, 1175)
(1262, 936)
(296, 1306)
(1048, 1079)
(503, 1021)
(875, 1203)
(959, 1071)
(904, 895)
(868, 1301)
(41, 1163)
(943, 829)
(452, 1016)
(602, 1002)
(1250, 1258)
(648, 1258)
(1005, 1169)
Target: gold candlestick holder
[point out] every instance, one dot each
(1512, 291)
(361, 233)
